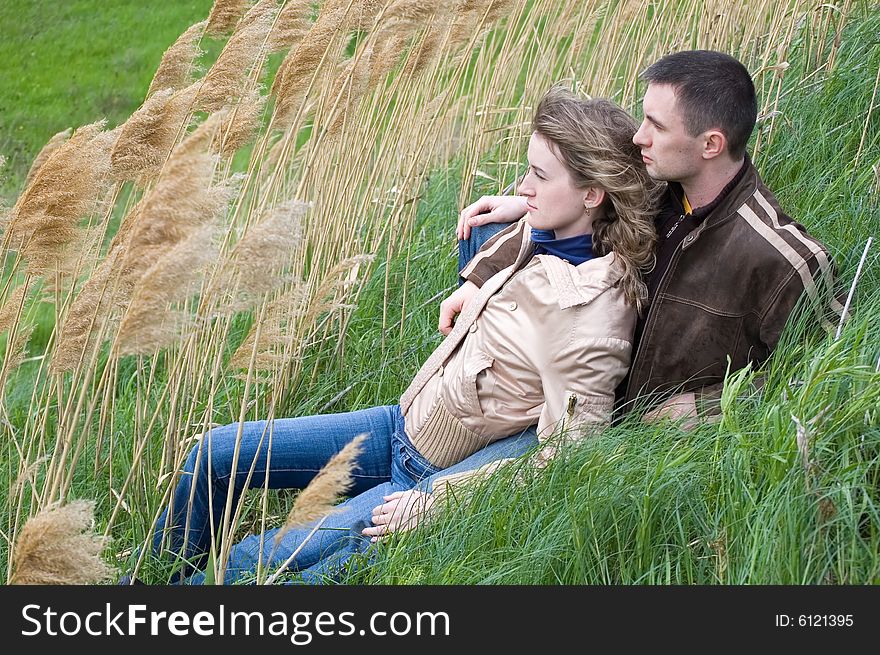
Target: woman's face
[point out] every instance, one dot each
(553, 201)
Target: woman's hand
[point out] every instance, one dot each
(402, 511)
(454, 305)
(490, 209)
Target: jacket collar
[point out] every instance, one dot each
(581, 284)
(740, 191)
(676, 194)
(574, 285)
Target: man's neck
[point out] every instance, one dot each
(705, 187)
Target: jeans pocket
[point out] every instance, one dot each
(410, 462)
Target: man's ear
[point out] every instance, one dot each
(714, 143)
(593, 197)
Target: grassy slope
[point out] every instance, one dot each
(724, 504)
(729, 503)
(70, 63)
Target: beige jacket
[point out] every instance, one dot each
(542, 342)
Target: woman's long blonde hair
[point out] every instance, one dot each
(593, 138)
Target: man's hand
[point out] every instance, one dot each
(490, 209)
(682, 407)
(454, 305)
(402, 511)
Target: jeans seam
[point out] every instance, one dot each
(256, 472)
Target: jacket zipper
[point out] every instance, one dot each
(661, 287)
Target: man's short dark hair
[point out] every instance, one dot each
(713, 90)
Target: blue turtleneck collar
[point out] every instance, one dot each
(575, 250)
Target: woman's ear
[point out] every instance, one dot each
(593, 197)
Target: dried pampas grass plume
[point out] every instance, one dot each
(67, 187)
(147, 137)
(494, 10)
(336, 285)
(51, 146)
(151, 322)
(96, 308)
(179, 61)
(224, 16)
(326, 488)
(93, 306)
(182, 199)
(17, 349)
(278, 340)
(28, 475)
(57, 546)
(291, 318)
(240, 124)
(228, 77)
(11, 309)
(303, 61)
(291, 25)
(476, 16)
(427, 51)
(255, 266)
(412, 11)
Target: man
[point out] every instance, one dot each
(731, 266)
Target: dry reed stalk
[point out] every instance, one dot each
(58, 547)
(51, 146)
(224, 16)
(348, 88)
(44, 223)
(148, 136)
(228, 77)
(256, 264)
(150, 323)
(377, 57)
(326, 488)
(179, 61)
(28, 475)
(280, 150)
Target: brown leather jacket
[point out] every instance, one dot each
(730, 287)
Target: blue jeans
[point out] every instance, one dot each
(299, 448)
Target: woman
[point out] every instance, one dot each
(544, 341)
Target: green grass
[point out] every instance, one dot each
(727, 503)
(71, 63)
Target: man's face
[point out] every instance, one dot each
(669, 151)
